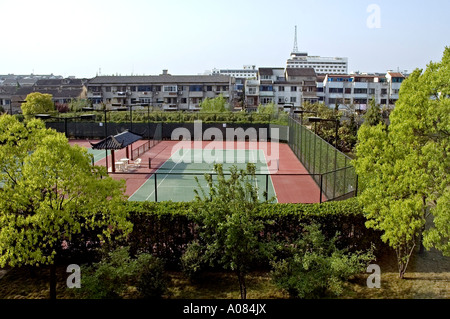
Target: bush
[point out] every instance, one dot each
(152, 281)
(108, 278)
(191, 261)
(111, 277)
(314, 266)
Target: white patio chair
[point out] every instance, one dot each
(137, 162)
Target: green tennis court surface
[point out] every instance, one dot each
(175, 179)
(98, 154)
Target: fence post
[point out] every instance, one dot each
(321, 181)
(156, 188)
(267, 187)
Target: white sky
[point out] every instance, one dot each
(80, 37)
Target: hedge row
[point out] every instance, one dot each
(165, 228)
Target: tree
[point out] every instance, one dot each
(373, 114)
(215, 105)
(76, 105)
(404, 168)
(50, 192)
(270, 109)
(37, 103)
(230, 227)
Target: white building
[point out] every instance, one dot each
(247, 72)
(359, 89)
(284, 87)
(322, 65)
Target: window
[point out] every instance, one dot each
(348, 91)
(209, 88)
(293, 88)
(196, 88)
(371, 91)
(266, 100)
(293, 99)
(170, 88)
(183, 100)
(360, 91)
(281, 88)
(383, 91)
(266, 88)
(95, 89)
(144, 88)
(144, 100)
(336, 90)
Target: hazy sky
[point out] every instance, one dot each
(81, 37)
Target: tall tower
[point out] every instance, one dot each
(295, 50)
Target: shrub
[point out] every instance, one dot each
(108, 278)
(152, 281)
(315, 267)
(191, 261)
(111, 277)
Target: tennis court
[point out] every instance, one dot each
(175, 179)
(175, 164)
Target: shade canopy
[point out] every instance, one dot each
(117, 142)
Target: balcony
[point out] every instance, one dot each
(196, 94)
(266, 93)
(95, 94)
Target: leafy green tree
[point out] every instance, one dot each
(230, 227)
(404, 168)
(270, 108)
(215, 105)
(373, 114)
(36, 103)
(313, 266)
(77, 105)
(50, 192)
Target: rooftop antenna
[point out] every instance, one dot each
(295, 41)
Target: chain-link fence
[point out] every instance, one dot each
(330, 168)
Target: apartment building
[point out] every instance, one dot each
(359, 89)
(284, 87)
(166, 92)
(62, 90)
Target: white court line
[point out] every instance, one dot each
(270, 176)
(148, 180)
(184, 153)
